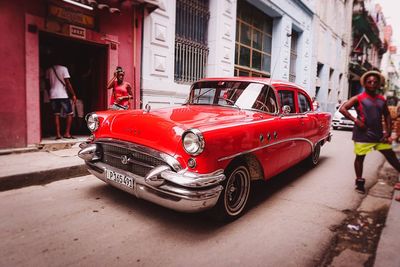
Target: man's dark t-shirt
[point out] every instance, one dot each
(370, 111)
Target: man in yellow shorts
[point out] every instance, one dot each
(368, 132)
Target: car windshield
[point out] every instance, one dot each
(235, 94)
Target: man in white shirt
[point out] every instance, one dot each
(57, 78)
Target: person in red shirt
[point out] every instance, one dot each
(121, 90)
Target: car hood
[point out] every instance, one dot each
(162, 129)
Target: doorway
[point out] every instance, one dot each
(87, 66)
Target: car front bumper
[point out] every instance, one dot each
(178, 190)
(347, 124)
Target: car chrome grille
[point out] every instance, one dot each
(138, 162)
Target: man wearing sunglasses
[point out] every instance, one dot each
(368, 132)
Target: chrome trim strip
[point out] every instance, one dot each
(268, 145)
(89, 153)
(171, 161)
(193, 180)
(180, 192)
(166, 195)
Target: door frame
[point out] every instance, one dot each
(34, 24)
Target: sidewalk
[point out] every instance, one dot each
(388, 251)
(41, 165)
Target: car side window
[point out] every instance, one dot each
(304, 104)
(266, 101)
(287, 99)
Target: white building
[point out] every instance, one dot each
(332, 24)
(260, 38)
(390, 68)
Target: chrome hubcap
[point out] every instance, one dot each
(237, 191)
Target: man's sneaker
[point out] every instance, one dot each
(360, 185)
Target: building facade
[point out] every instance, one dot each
(368, 42)
(164, 46)
(89, 37)
(332, 26)
(190, 39)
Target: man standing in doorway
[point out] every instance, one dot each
(368, 131)
(58, 82)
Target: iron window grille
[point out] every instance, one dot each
(191, 48)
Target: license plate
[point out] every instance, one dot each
(119, 178)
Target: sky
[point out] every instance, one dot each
(390, 9)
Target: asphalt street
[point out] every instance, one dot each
(83, 221)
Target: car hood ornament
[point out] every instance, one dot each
(147, 108)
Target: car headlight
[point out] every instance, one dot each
(193, 142)
(92, 121)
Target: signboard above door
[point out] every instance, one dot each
(65, 13)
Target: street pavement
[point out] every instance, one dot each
(42, 167)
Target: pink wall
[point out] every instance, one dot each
(12, 65)
(19, 64)
(121, 26)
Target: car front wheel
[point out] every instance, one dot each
(234, 196)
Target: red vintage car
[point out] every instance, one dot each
(205, 153)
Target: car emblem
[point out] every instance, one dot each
(124, 159)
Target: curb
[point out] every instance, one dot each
(41, 177)
(18, 150)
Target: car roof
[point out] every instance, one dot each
(267, 81)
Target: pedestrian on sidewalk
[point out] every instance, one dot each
(57, 79)
(121, 90)
(368, 132)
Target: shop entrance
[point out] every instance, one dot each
(87, 66)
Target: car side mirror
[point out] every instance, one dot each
(286, 109)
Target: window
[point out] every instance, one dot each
(266, 101)
(330, 85)
(304, 105)
(191, 50)
(243, 95)
(293, 56)
(287, 99)
(318, 83)
(253, 42)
